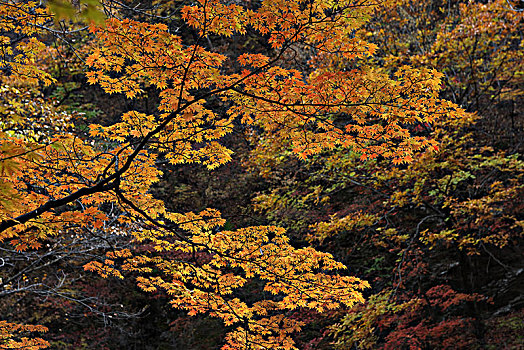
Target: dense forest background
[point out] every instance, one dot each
(437, 234)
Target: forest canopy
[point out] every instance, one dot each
(262, 174)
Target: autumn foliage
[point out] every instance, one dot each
(366, 184)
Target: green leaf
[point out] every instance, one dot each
(61, 9)
(58, 146)
(87, 10)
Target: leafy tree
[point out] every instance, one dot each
(313, 89)
(435, 234)
(11, 336)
